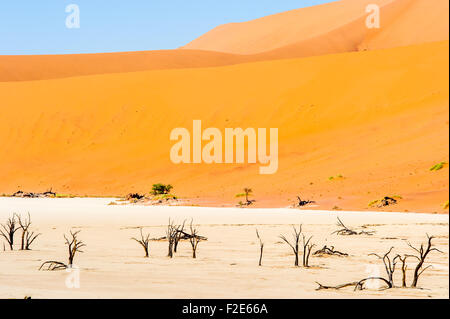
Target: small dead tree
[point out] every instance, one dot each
(194, 239)
(8, 230)
(422, 255)
(74, 245)
(27, 236)
(294, 244)
(144, 242)
(307, 247)
(389, 265)
(261, 248)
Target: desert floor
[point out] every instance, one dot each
(113, 266)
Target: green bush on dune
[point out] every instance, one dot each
(161, 189)
(438, 166)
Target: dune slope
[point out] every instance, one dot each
(331, 28)
(42, 67)
(379, 118)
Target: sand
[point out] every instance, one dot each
(113, 266)
(334, 27)
(379, 118)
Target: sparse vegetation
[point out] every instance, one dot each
(161, 189)
(385, 201)
(337, 177)
(438, 166)
(247, 192)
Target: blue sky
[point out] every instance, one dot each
(39, 27)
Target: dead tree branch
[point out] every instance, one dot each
(307, 247)
(178, 236)
(261, 248)
(171, 233)
(389, 265)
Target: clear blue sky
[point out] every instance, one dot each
(39, 27)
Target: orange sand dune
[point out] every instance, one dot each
(41, 67)
(336, 27)
(332, 28)
(379, 118)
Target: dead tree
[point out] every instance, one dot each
(27, 236)
(143, 242)
(261, 248)
(8, 230)
(307, 247)
(389, 265)
(422, 255)
(328, 251)
(345, 231)
(171, 233)
(178, 236)
(74, 245)
(294, 244)
(194, 239)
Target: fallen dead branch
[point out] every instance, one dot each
(359, 285)
(328, 251)
(345, 231)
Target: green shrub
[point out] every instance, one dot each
(438, 166)
(160, 189)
